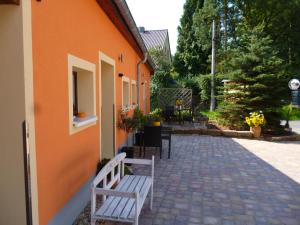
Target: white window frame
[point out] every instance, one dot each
(75, 124)
(133, 83)
(126, 107)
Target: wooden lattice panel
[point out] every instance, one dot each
(168, 97)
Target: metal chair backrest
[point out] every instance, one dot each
(152, 136)
(169, 111)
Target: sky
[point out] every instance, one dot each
(157, 15)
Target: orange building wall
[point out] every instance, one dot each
(65, 162)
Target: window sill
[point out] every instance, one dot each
(126, 108)
(80, 122)
(134, 106)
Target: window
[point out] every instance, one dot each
(133, 93)
(75, 93)
(125, 93)
(82, 92)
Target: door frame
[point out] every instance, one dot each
(30, 140)
(105, 58)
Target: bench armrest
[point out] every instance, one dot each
(110, 192)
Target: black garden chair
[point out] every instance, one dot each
(169, 113)
(152, 136)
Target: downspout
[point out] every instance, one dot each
(139, 77)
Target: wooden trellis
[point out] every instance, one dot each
(168, 97)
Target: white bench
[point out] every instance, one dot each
(125, 201)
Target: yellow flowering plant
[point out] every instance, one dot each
(179, 102)
(256, 119)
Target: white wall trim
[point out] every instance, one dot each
(29, 104)
(127, 80)
(133, 82)
(74, 61)
(105, 58)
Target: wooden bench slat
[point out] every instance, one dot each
(131, 202)
(143, 194)
(125, 201)
(115, 202)
(122, 186)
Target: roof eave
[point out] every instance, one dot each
(123, 7)
(126, 16)
(13, 2)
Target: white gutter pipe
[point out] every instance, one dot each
(139, 77)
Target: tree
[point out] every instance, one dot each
(203, 25)
(255, 78)
(282, 24)
(162, 77)
(190, 59)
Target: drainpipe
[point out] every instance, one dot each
(139, 77)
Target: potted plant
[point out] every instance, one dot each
(287, 114)
(178, 103)
(126, 123)
(155, 117)
(138, 121)
(255, 121)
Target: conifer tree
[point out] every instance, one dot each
(255, 78)
(190, 59)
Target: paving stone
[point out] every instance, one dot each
(228, 222)
(217, 180)
(211, 220)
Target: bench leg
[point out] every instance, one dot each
(160, 152)
(169, 153)
(136, 222)
(151, 198)
(93, 222)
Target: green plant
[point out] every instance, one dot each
(211, 115)
(256, 81)
(138, 119)
(286, 112)
(125, 123)
(204, 86)
(156, 115)
(255, 119)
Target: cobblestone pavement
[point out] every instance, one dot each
(223, 181)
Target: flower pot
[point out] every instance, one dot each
(81, 115)
(256, 131)
(129, 151)
(156, 124)
(288, 129)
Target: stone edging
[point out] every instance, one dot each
(234, 134)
